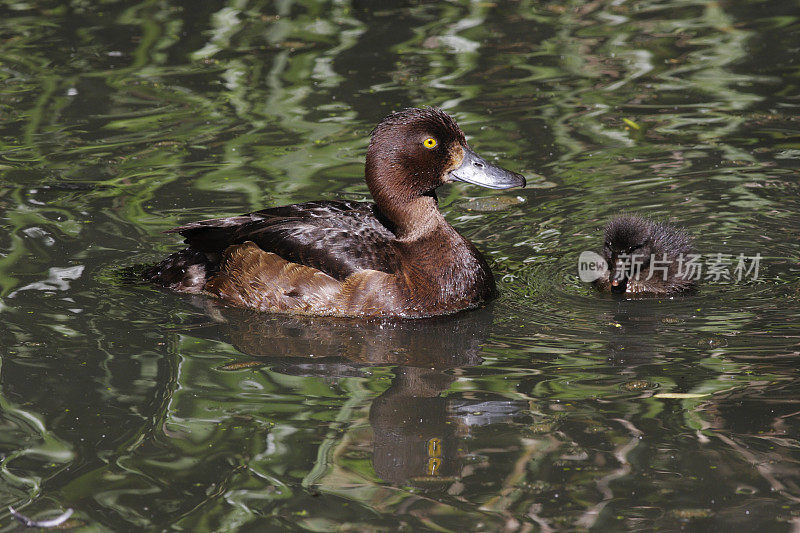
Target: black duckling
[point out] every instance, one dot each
(397, 257)
(645, 257)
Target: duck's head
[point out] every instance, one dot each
(414, 151)
(628, 242)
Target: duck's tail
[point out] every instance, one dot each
(185, 271)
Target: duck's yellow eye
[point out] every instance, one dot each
(430, 142)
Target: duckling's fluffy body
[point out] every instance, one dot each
(396, 257)
(645, 257)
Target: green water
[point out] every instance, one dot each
(552, 408)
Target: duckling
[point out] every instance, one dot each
(397, 257)
(645, 257)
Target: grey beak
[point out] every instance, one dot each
(474, 169)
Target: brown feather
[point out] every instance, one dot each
(254, 278)
(265, 281)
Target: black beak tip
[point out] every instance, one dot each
(510, 180)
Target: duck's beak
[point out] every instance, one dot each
(474, 169)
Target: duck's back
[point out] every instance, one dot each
(338, 238)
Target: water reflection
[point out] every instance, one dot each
(415, 429)
(561, 410)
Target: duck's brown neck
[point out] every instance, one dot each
(411, 210)
(414, 219)
(441, 265)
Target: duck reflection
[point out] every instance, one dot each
(416, 430)
(411, 436)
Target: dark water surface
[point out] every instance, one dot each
(552, 408)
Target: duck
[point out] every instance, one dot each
(394, 257)
(646, 257)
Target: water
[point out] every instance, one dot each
(552, 408)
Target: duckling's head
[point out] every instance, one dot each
(414, 151)
(627, 238)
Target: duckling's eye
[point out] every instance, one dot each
(429, 143)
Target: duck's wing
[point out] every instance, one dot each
(336, 237)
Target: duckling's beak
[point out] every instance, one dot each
(618, 279)
(474, 169)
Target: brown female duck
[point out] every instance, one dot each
(645, 257)
(396, 257)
